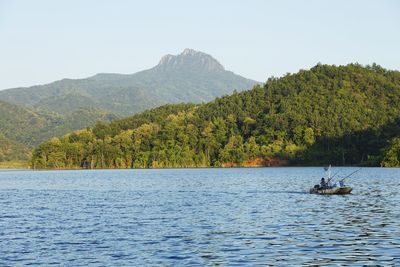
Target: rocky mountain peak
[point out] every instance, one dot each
(189, 51)
(189, 60)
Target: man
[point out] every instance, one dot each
(323, 183)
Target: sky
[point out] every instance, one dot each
(45, 40)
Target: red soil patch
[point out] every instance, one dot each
(257, 162)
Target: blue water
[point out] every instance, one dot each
(197, 217)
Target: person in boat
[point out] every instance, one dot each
(323, 184)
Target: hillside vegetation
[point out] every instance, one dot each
(23, 128)
(29, 116)
(11, 150)
(343, 115)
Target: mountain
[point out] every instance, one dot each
(343, 115)
(191, 76)
(22, 128)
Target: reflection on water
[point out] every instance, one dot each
(197, 217)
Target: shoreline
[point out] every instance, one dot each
(188, 168)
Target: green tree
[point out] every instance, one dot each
(391, 155)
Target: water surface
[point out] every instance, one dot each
(197, 217)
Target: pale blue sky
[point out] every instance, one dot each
(46, 40)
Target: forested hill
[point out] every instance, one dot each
(22, 128)
(191, 76)
(343, 115)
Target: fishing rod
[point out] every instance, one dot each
(350, 175)
(331, 178)
(336, 173)
(329, 172)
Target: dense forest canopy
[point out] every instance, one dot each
(343, 115)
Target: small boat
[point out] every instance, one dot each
(338, 190)
(329, 189)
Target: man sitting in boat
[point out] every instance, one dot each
(323, 184)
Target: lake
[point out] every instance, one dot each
(197, 217)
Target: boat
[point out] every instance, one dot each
(332, 189)
(338, 190)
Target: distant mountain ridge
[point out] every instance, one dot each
(191, 76)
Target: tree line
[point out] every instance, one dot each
(344, 115)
